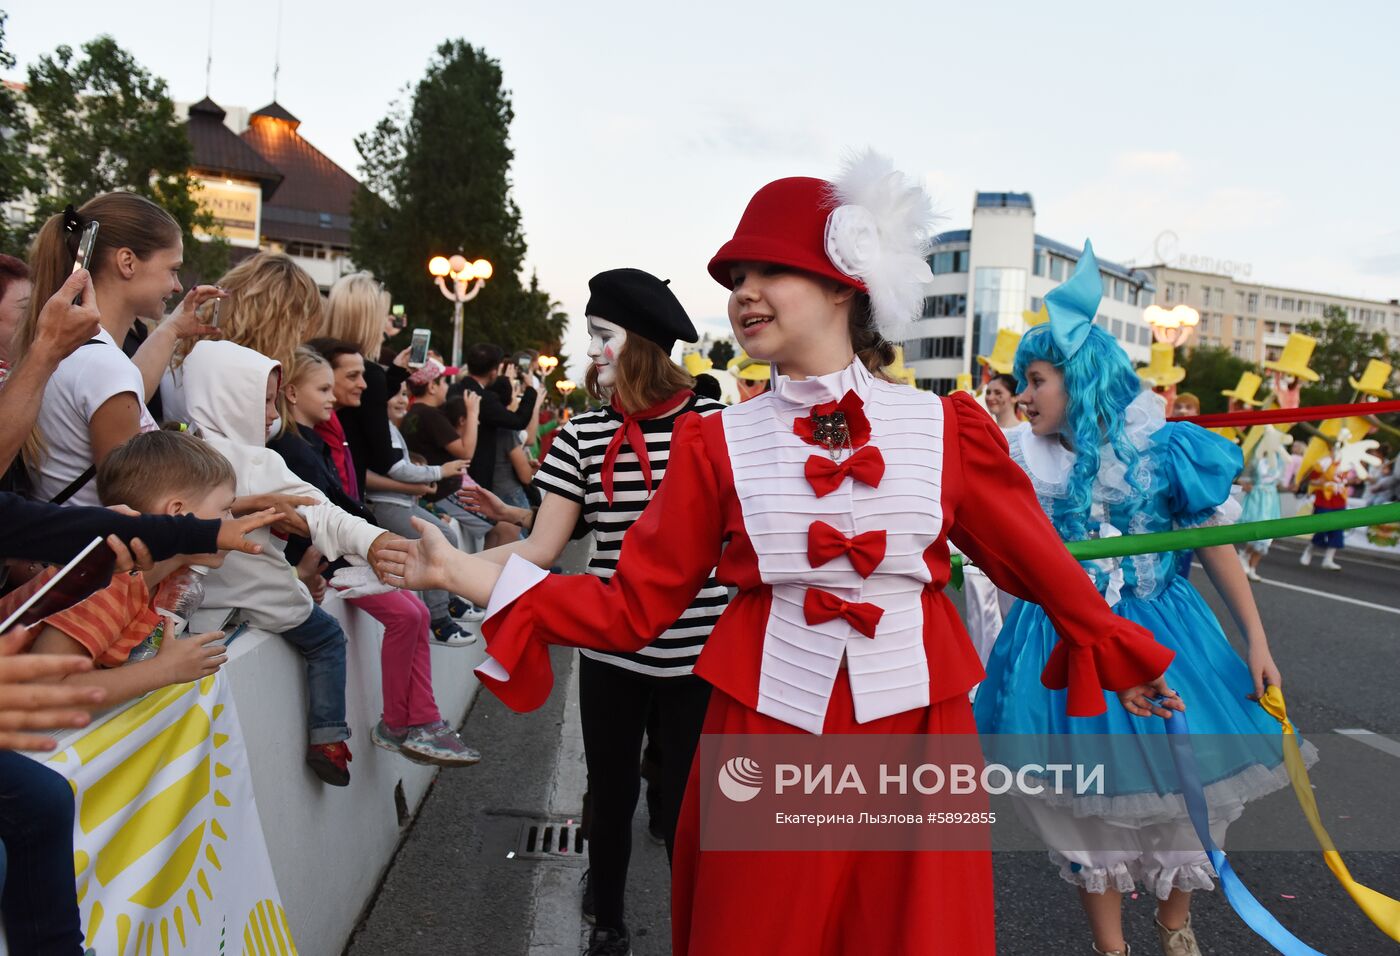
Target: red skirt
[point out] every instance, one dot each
(760, 903)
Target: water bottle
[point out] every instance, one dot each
(178, 597)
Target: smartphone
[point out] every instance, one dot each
(397, 317)
(89, 571)
(418, 350)
(214, 314)
(86, 244)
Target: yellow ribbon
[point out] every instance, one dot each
(1381, 909)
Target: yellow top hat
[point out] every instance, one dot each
(750, 369)
(898, 371)
(1162, 370)
(695, 363)
(1246, 389)
(1036, 318)
(1297, 353)
(1003, 352)
(1374, 379)
(964, 383)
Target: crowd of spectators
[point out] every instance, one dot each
(244, 449)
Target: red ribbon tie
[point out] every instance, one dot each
(823, 606)
(825, 543)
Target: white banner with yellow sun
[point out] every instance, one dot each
(170, 856)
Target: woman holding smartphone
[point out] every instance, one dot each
(97, 396)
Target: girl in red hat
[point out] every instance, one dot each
(828, 503)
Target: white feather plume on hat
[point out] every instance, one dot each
(880, 233)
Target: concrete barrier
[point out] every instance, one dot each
(330, 846)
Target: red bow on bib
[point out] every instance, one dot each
(825, 543)
(822, 606)
(866, 466)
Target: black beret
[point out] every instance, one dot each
(641, 303)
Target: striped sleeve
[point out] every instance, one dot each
(560, 472)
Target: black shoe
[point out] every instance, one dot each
(655, 832)
(609, 942)
(588, 909)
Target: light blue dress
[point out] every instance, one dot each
(1186, 472)
(1261, 502)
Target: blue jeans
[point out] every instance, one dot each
(39, 899)
(321, 641)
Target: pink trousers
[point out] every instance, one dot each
(406, 659)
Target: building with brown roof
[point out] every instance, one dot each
(287, 193)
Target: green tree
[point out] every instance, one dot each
(102, 122)
(1343, 349)
(435, 180)
(14, 137)
(1209, 370)
(721, 352)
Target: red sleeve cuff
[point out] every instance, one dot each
(517, 667)
(1123, 658)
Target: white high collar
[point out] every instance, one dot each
(831, 387)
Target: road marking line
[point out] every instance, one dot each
(1334, 597)
(1372, 739)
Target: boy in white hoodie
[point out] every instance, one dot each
(231, 396)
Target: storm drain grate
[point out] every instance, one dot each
(551, 840)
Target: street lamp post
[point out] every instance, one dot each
(467, 279)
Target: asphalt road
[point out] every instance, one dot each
(1335, 636)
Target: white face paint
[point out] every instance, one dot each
(604, 346)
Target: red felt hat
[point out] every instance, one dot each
(785, 223)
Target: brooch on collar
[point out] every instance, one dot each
(836, 426)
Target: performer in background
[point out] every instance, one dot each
(604, 466)
(1104, 462)
(828, 502)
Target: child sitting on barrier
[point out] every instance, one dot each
(411, 724)
(231, 395)
(166, 473)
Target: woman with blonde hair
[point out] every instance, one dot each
(273, 306)
(97, 396)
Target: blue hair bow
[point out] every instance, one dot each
(1073, 304)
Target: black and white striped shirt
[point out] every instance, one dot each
(573, 469)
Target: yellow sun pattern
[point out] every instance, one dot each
(169, 849)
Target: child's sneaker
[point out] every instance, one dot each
(330, 762)
(385, 739)
(449, 634)
(438, 744)
(465, 611)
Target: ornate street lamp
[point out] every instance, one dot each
(467, 279)
(565, 386)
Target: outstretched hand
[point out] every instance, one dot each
(1142, 700)
(233, 532)
(29, 701)
(416, 565)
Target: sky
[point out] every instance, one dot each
(1260, 133)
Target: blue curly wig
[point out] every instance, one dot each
(1099, 384)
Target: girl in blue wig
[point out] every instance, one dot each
(1104, 462)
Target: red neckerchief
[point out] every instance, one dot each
(631, 430)
(334, 435)
(856, 423)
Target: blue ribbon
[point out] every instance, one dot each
(1260, 920)
(1073, 304)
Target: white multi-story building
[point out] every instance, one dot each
(985, 277)
(1254, 321)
